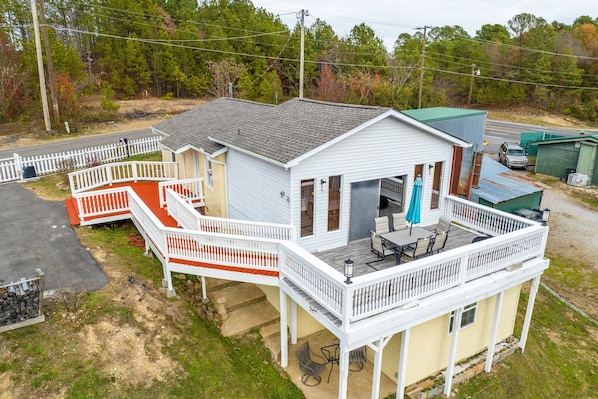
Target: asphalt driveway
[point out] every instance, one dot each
(35, 233)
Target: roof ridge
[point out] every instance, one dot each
(333, 104)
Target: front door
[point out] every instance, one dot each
(364, 208)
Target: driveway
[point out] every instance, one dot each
(35, 233)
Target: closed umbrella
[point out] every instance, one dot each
(413, 214)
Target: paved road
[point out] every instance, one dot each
(37, 234)
(497, 132)
(74, 144)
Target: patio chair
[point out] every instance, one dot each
(438, 242)
(381, 225)
(309, 367)
(420, 248)
(398, 221)
(444, 224)
(377, 247)
(357, 358)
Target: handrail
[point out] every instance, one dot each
(120, 172)
(187, 217)
(110, 201)
(482, 218)
(190, 189)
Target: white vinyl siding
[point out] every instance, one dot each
(254, 189)
(387, 148)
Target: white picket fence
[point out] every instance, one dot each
(12, 168)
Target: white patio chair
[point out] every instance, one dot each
(398, 221)
(377, 247)
(438, 242)
(444, 224)
(420, 249)
(381, 225)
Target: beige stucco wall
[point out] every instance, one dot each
(430, 342)
(192, 164)
(306, 324)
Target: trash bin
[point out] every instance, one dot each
(29, 172)
(568, 172)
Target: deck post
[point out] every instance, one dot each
(284, 339)
(450, 369)
(493, 332)
(403, 363)
(343, 375)
(528, 312)
(379, 347)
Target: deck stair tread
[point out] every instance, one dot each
(250, 317)
(322, 310)
(215, 284)
(236, 296)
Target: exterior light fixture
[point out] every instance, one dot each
(348, 270)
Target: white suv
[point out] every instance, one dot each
(512, 156)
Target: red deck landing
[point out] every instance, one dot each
(147, 191)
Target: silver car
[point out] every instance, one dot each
(512, 156)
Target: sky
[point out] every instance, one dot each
(389, 18)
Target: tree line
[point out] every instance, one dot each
(181, 48)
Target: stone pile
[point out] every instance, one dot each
(21, 301)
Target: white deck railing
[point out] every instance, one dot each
(121, 172)
(189, 189)
(482, 218)
(188, 218)
(108, 203)
(378, 292)
(11, 168)
(224, 242)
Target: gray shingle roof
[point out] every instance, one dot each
(281, 133)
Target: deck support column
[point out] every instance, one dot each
(204, 288)
(170, 292)
(343, 376)
(528, 312)
(284, 339)
(493, 332)
(405, 336)
(378, 348)
(450, 369)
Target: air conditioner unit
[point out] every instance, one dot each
(577, 179)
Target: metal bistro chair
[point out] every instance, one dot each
(420, 249)
(444, 224)
(309, 367)
(381, 225)
(357, 358)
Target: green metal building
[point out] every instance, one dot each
(561, 156)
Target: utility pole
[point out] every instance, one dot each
(302, 56)
(40, 68)
(473, 72)
(55, 110)
(421, 71)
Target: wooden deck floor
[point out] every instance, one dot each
(360, 253)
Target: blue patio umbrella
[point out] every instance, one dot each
(414, 212)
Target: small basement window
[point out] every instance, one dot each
(467, 317)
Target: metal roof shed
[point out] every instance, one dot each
(501, 188)
(557, 157)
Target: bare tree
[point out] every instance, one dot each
(224, 72)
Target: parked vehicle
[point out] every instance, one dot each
(512, 156)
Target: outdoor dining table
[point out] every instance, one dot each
(404, 238)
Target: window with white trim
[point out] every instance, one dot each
(467, 317)
(208, 171)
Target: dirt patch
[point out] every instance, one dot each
(529, 115)
(132, 115)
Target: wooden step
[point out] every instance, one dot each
(250, 317)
